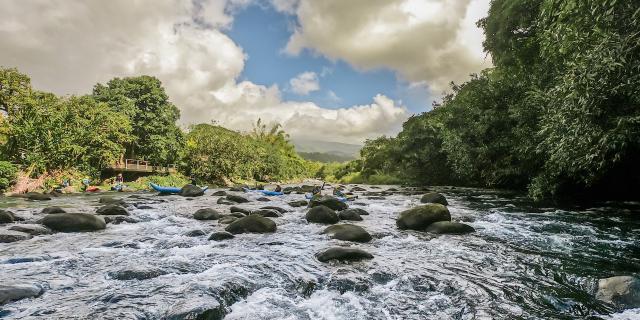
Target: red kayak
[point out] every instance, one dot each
(92, 189)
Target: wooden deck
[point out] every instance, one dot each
(133, 165)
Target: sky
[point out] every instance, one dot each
(331, 70)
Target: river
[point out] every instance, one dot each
(523, 262)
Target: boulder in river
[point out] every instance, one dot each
(112, 210)
(322, 214)
(252, 224)
(194, 233)
(263, 199)
(298, 203)
(621, 290)
(227, 219)
(348, 232)
(241, 210)
(119, 219)
(267, 213)
(6, 217)
(237, 214)
(420, 217)
(328, 201)
(50, 210)
(111, 200)
(13, 291)
(206, 214)
(343, 254)
(73, 222)
(7, 236)
(358, 189)
(281, 210)
(236, 198)
(434, 197)
(136, 274)
(225, 202)
(219, 193)
(221, 235)
(350, 214)
(32, 229)
(448, 227)
(190, 190)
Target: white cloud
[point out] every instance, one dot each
(69, 46)
(305, 83)
(422, 40)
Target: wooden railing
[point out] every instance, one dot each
(141, 166)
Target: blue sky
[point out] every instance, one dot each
(263, 33)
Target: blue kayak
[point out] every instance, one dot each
(169, 189)
(265, 192)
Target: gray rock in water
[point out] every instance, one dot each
(7, 236)
(328, 201)
(246, 212)
(206, 214)
(447, 227)
(194, 233)
(236, 198)
(221, 235)
(73, 222)
(360, 211)
(419, 218)
(119, 219)
(298, 203)
(37, 196)
(6, 217)
(50, 210)
(190, 190)
(32, 229)
(621, 290)
(349, 214)
(112, 210)
(237, 214)
(263, 199)
(343, 254)
(219, 193)
(281, 210)
(348, 232)
(210, 309)
(227, 219)
(322, 214)
(110, 200)
(267, 213)
(225, 202)
(13, 292)
(434, 197)
(358, 189)
(136, 274)
(252, 224)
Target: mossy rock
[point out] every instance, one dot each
(420, 217)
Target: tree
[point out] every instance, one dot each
(153, 117)
(13, 86)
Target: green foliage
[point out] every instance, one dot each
(559, 113)
(49, 133)
(13, 87)
(8, 173)
(324, 157)
(153, 117)
(216, 154)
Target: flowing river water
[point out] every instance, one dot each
(523, 262)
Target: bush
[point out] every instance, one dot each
(8, 173)
(172, 180)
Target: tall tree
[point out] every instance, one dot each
(153, 117)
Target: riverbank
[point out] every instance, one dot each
(522, 261)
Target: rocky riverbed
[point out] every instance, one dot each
(145, 256)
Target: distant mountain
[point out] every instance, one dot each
(326, 151)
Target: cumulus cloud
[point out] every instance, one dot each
(305, 83)
(68, 46)
(435, 41)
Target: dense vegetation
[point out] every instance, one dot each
(558, 114)
(325, 157)
(78, 136)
